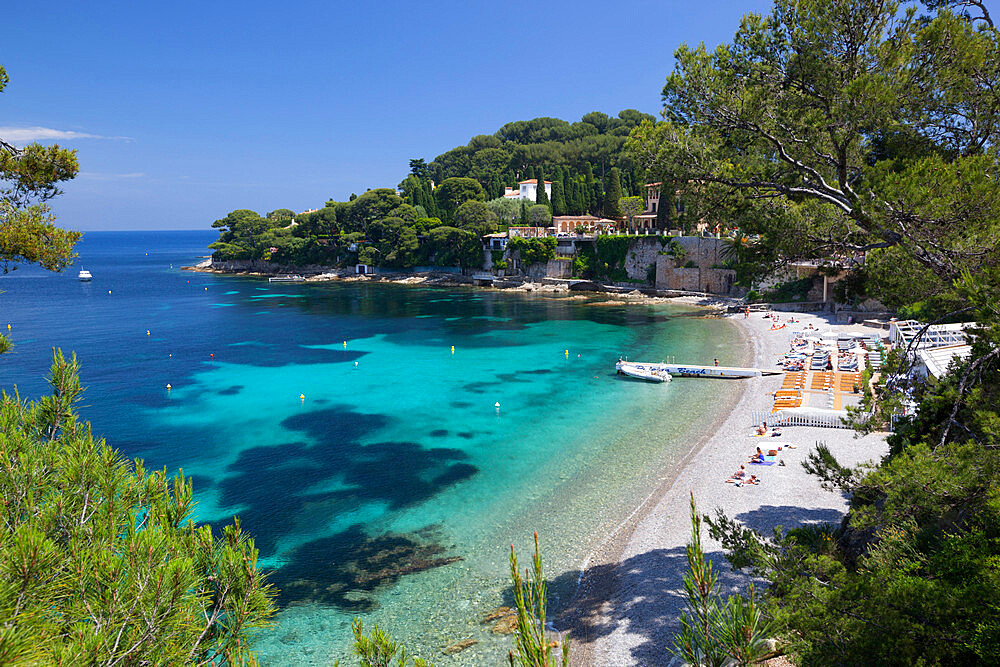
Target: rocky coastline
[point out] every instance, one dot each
(584, 289)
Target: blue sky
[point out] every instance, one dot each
(183, 111)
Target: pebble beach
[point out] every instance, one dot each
(631, 591)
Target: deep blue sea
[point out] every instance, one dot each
(353, 426)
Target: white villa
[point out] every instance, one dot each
(527, 190)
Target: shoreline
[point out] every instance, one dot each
(599, 582)
(616, 294)
(626, 607)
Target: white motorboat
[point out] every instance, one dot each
(647, 372)
(84, 276)
(286, 279)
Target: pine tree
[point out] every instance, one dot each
(613, 193)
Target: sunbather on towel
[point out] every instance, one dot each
(738, 475)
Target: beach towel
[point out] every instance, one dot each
(768, 461)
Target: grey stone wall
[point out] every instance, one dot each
(554, 268)
(641, 255)
(695, 279)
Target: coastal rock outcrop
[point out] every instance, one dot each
(504, 620)
(459, 646)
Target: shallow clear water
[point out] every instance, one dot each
(396, 463)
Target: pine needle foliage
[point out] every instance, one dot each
(714, 632)
(532, 647)
(100, 562)
(376, 648)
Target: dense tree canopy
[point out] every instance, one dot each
(100, 562)
(838, 127)
(29, 176)
(831, 128)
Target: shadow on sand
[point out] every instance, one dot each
(643, 595)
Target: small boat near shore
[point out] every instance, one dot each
(647, 372)
(84, 276)
(286, 279)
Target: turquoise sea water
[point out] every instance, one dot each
(393, 490)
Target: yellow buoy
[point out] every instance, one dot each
(147, 332)
(453, 349)
(206, 289)
(109, 291)
(302, 397)
(567, 353)
(169, 387)
(345, 344)
(8, 327)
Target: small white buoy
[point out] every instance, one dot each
(497, 406)
(171, 356)
(109, 291)
(355, 364)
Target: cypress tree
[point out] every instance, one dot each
(571, 197)
(541, 197)
(563, 174)
(588, 200)
(663, 208)
(613, 193)
(524, 213)
(430, 203)
(558, 199)
(495, 188)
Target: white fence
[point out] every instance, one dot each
(759, 417)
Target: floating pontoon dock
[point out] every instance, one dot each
(693, 371)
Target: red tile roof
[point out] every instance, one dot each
(532, 181)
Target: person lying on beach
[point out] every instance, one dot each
(762, 429)
(738, 475)
(753, 480)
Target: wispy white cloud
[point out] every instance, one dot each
(22, 135)
(102, 176)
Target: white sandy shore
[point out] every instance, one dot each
(627, 609)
